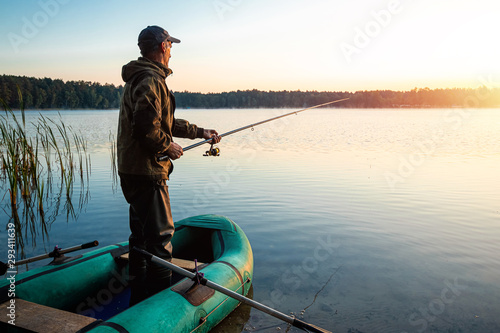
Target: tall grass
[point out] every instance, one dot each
(114, 161)
(40, 164)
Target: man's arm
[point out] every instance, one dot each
(175, 151)
(183, 129)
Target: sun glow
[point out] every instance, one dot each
(283, 45)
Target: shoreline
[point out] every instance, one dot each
(283, 108)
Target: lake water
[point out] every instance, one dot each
(360, 220)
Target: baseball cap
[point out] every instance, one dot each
(154, 34)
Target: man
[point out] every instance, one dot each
(146, 128)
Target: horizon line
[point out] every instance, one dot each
(252, 89)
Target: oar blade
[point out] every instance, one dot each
(309, 327)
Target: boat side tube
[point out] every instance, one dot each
(169, 311)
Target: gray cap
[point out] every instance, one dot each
(153, 35)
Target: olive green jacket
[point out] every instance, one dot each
(146, 123)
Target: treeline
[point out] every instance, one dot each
(257, 99)
(481, 97)
(55, 94)
(416, 98)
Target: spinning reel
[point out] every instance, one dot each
(213, 151)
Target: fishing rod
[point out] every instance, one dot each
(215, 151)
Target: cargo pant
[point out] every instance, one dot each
(152, 228)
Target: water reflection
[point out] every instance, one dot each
(323, 174)
(237, 320)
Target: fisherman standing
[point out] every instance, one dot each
(146, 128)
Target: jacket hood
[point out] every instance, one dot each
(142, 65)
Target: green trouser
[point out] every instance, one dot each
(152, 228)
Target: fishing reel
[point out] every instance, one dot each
(213, 151)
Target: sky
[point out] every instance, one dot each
(227, 45)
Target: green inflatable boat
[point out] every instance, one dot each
(90, 292)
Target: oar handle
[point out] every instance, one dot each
(148, 256)
(74, 248)
(90, 244)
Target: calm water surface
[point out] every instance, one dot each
(359, 220)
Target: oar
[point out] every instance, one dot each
(289, 319)
(55, 253)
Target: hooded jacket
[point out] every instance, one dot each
(146, 123)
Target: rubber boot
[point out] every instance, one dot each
(159, 278)
(138, 278)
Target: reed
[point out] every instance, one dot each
(32, 192)
(114, 161)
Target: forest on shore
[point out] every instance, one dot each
(49, 93)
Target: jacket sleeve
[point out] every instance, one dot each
(146, 123)
(183, 129)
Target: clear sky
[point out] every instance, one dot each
(332, 45)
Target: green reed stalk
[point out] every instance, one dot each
(26, 171)
(114, 161)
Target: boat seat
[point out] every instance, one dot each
(40, 318)
(186, 264)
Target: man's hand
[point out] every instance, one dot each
(211, 134)
(174, 151)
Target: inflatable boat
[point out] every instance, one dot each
(90, 292)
